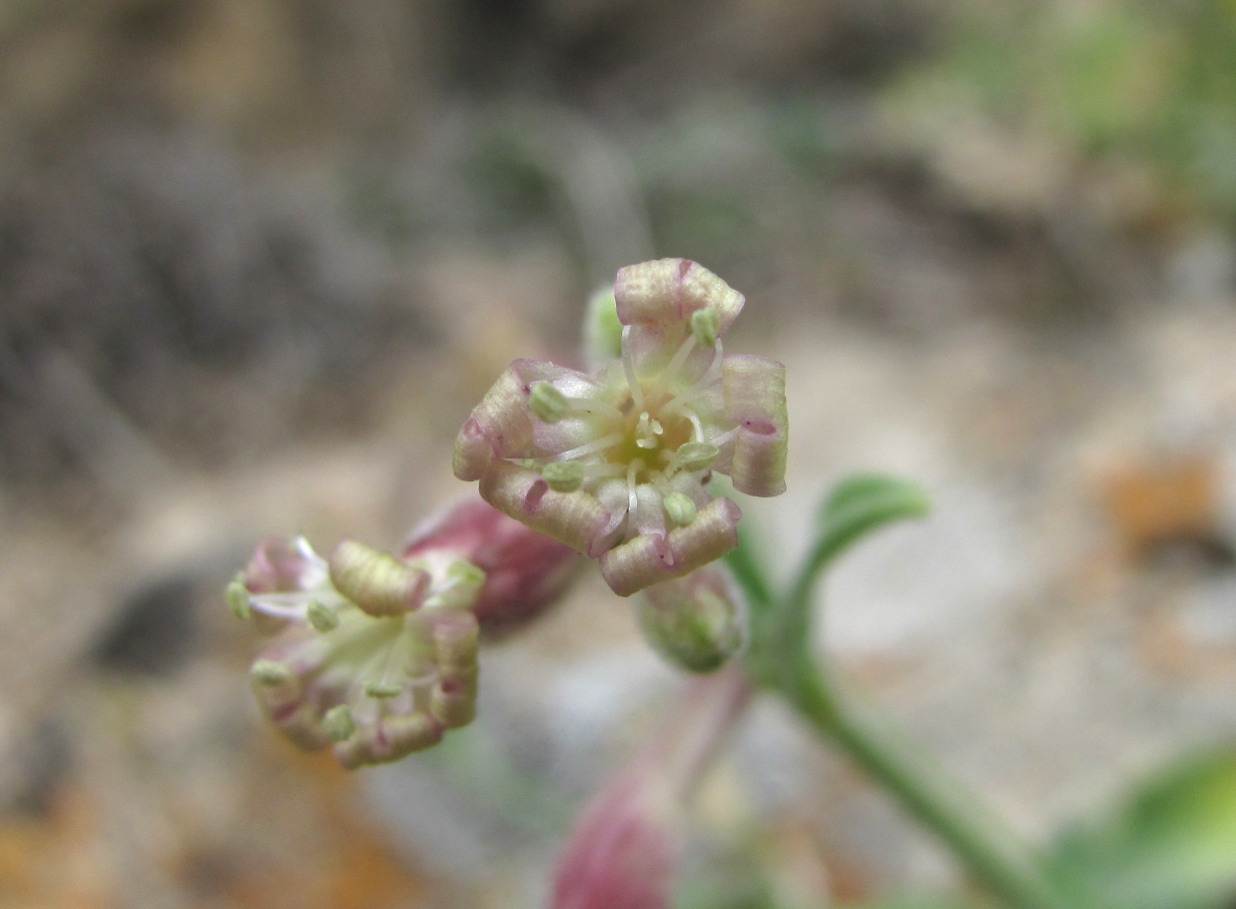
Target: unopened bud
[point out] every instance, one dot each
(696, 622)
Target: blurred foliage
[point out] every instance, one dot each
(1140, 79)
(1169, 844)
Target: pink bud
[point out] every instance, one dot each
(626, 847)
(525, 572)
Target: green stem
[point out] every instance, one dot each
(992, 854)
(781, 659)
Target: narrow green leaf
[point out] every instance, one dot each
(859, 505)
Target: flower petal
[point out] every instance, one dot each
(503, 425)
(574, 518)
(652, 558)
(666, 291)
(755, 399)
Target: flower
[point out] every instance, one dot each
(376, 655)
(625, 848)
(616, 463)
(696, 622)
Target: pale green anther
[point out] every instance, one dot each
(548, 403)
(321, 617)
(338, 723)
(466, 574)
(238, 599)
(704, 326)
(680, 508)
(382, 689)
(270, 672)
(697, 456)
(602, 329)
(563, 476)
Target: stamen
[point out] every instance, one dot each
(382, 689)
(695, 456)
(338, 723)
(564, 476)
(681, 408)
(628, 367)
(321, 617)
(647, 430)
(679, 508)
(704, 326)
(609, 441)
(238, 599)
(291, 605)
(670, 372)
(548, 403)
(270, 672)
(632, 498)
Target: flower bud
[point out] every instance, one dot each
(697, 622)
(625, 848)
(525, 571)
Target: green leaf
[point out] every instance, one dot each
(1169, 844)
(859, 505)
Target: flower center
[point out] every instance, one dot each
(649, 436)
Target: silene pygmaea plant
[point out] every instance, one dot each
(616, 463)
(376, 655)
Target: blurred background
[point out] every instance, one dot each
(259, 258)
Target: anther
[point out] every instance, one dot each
(704, 326)
(238, 599)
(270, 672)
(680, 508)
(647, 430)
(382, 689)
(694, 456)
(338, 723)
(321, 617)
(548, 403)
(563, 476)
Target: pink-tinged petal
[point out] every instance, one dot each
(755, 400)
(637, 564)
(712, 534)
(388, 739)
(574, 518)
(473, 451)
(651, 558)
(503, 425)
(378, 583)
(668, 291)
(279, 566)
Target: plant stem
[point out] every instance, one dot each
(988, 850)
(781, 658)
